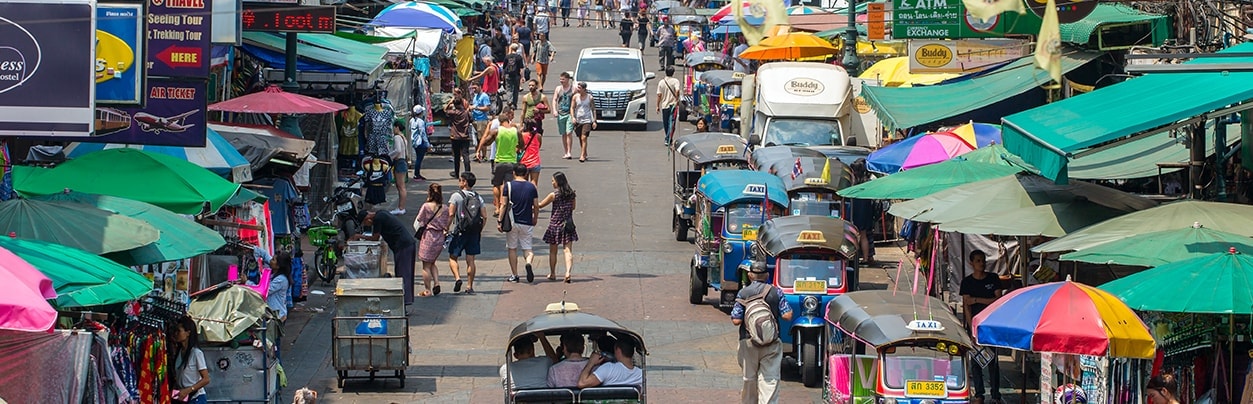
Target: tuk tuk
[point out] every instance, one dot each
(704, 152)
(762, 157)
(565, 318)
(725, 85)
(696, 98)
(812, 255)
(810, 191)
(730, 206)
(895, 347)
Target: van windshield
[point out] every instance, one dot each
(802, 132)
(612, 70)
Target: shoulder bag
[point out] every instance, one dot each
(506, 215)
(422, 230)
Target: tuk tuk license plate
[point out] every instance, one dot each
(749, 233)
(925, 389)
(810, 286)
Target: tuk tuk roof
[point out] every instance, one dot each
(763, 156)
(706, 58)
(785, 233)
(719, 78)
(712, 147)
(693, 18)
(879, 317)
(724, 187)
(555, 323)
(810, 176)
(662, 5)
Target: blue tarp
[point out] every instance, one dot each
(279, 61)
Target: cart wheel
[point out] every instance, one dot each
(401, 375)
(341, 380)
(680, 228)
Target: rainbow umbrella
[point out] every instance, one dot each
(977, 134)
(805, 10)
(1064, 317)
(917, 151)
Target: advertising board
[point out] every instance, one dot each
(119, 53)
(47, 68)
(963, 55)
(179, 33)
(173, 116)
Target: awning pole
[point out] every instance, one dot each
(1220, 156)
(1198, 160)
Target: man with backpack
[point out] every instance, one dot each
(758, 308)
(468, 216)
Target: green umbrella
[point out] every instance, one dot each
(1005, 193)
(1049, 220)
(74, 225)
(984, 163)
(79, 277)
(1219, 283)
(165, 181)
(1162, 247)
(1228, 217)
(225, 313)
(180, 236)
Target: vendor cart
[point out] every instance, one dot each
(238, 338)
(370, 332)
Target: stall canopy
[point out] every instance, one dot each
(1087, 31)
(317, 52)
(1139, 158)
(261, 144)
(914, 106)
(1048, 136)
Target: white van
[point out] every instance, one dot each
(618, 83)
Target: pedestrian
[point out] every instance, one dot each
(400, 155)
(481, 105)
(468, 213)
(431, 226)
(563, 93)
(625, 29)
(666, 38)
(500, 42)
(1162, 389)
(421, 142)
(524, 39)
(740, 64)
(641, 28)
(561, 231)
(761, 363)
(529, 156)
(383, 225)
(504, 139)
(534, 107)
(460, 123)
(544, 55)
(491, 84)
(514, 63)
(280, 284)
(543, 22)
(305, 396)
(189, 372)
(565, 13)
(598, 10)
(584, 111)
(702, 125)
(667, 102)
(979, 290)
(524, 210)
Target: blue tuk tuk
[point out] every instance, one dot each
(704, 152)
(811, 256)
(730, 207)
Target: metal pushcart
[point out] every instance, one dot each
(370, 332)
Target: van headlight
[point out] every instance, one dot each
(810, 304)
(638, 93)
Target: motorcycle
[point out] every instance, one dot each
(338, 220)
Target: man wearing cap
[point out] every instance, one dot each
(761, 365)
(399, 238)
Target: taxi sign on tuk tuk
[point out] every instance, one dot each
(749, 233)
(754, 189)
(727, 149)
(810, 286)
(925, 389)
(811, 236)
(925, 325)
(816, 181)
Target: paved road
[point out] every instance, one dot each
(628, 268)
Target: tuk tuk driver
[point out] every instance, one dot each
(617, 371)
(527, 370)
(979, 290)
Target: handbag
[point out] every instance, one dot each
(568, 226)
(422, 230)
(506, 215)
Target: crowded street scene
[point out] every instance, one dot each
(626, 201)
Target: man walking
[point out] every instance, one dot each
(481, 109)
(491, 83)
(761, 364)
(399, 238)
(459, 126)
(667, 100)
(502, 138)
(468, 215)
(665, 43)
(564, 93)
(524, 200)
(741, 65)
(979, 290)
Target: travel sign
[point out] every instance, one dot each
(179, 38)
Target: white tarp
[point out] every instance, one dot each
(422, 43)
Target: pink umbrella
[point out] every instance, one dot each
(24, 304)
(916, 151)
(276, 101)
(726, 11)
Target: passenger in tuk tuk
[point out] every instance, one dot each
(617, 371)
(761, 364)
(566, 373)
(702, 125)
(529, 371)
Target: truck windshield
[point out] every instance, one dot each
(910, 363)
(612, 70)
(802, 132)
(826, 267)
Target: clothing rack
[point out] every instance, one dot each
(158, 310)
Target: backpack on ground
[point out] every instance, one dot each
(470, 212)
(763, 328)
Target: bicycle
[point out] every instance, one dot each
(326, 257)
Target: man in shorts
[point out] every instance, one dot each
(524, 199)
(503, 152)
(563, 93)
(466, 237)
(480, 110)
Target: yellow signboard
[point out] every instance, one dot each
(727, 149)
(811, 236)
(815, 181)
(925, 389)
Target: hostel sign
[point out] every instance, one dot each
(178, 38)
(47, 66)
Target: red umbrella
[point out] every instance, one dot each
(276, 101)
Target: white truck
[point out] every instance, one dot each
(798, 104)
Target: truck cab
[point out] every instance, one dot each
(797, 104)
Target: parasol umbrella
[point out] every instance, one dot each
(75, 225)
(1162, 247)
(917, 151)
(1017, 191)
(894, 72)
(977, 134)
(80, 278)
(727, 13)
(979, 165)
(1228, 217)
(417, 14)
(218, 155)
(165, 181)
(1049, 220)
(1219, 283)
(273, 100)
(24, 297)
(180, 237)
(226, 313)
(1064, 317)
(790, 46)
(805, 10)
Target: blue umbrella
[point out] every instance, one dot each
(218, 155)
(416, 14)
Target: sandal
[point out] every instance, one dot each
(552, 277)
(435, 290)
(425, 293)
(456, 286)
(567, 278)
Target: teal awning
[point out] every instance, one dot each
(1107, 15)
(906, 107)
(1047, 136)
(326, 48)
(1139, 158)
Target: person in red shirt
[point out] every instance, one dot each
(491, 80)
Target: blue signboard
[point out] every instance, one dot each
(46, 65)
(119, 53)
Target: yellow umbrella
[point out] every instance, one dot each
(894, 72)
(790, 46)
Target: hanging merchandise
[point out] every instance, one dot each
(376, 171)
(378, 126)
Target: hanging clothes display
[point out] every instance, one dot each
(349, 147)
(282, 195)
(378, 120)
(376, 170)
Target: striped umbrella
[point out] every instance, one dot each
(218, 156)
(727, 12)
(417, 14)
(805, 10)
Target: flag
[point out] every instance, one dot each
(826, 172)
(988, 9)
(770, 12)
(765, 203)
(1048, 52)
(797, 169)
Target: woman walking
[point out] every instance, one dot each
(531, 141)
(584, 112)
(625, 29)
(642, 27)
(190, 373)
(421, 143)
(561, 231)
(400, 154)
(431, 225)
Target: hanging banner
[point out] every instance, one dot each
(173, 116)
(119, 53)
(47, 64)
(964, 55)
(178, 38)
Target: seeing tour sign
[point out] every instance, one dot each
(47, 67)
(179, 38)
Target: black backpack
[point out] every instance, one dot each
(469, 212)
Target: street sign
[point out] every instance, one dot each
(289, 19)
(1068, 11)
(876, 24)
(948, 19)
(963, 55)
(178, 38)
(47, 68)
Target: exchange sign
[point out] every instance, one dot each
(47, 67)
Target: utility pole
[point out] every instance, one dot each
(289, 71)
(1197, 160)
(851, 63)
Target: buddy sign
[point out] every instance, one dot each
(119, 53)
(963, 55)
(47, 66)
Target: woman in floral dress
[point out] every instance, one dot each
(434, 217)
(563, 201)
